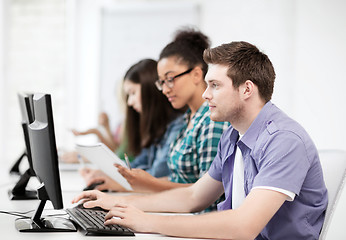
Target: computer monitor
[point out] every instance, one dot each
(45, 164)
(27, 113)
(26, 104)
(19, 192)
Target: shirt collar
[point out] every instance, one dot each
(251, 135)
(200, 112)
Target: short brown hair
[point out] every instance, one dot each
(244, 62)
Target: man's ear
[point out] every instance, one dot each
(247, 89)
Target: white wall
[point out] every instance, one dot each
(34, 61)
(305, 39)
(83, 58)
(269, 24)
(320, 70)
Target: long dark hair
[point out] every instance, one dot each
(188, 47)
(143, 129)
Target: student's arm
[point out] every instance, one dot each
(207, 141)
(246, 222)
(142, 181)
(190, 199)
(107, 140)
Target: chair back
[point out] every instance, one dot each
(334, 171)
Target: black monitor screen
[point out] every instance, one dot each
(43, 149)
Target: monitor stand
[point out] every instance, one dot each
(15, 168)
(19, 191)
(48, 224)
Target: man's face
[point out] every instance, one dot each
(224, 101)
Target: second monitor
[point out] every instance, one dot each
(45, 164)
(19, 191)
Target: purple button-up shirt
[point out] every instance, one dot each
(277, 152)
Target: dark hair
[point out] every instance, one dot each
(188, 46)
(143, 129)
(244, 62)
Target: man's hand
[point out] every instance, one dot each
(129, 216)
(96, 198)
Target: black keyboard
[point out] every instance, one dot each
(91, 220)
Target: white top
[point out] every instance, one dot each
(238, 192)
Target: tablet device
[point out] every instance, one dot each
(100, 155)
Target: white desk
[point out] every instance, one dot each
(71, 184)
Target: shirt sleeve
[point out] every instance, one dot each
(208, 144)
(215, 170)
(283, 163)
(290, 195)
(154, 159)
(141, 161)
(159, 167)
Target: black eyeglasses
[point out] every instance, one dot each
(170, 80)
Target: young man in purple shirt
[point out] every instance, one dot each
(267, 165)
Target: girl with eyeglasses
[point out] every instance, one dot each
(181, 71)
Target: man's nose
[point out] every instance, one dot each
(206, 94)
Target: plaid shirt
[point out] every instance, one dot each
(194, 149)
